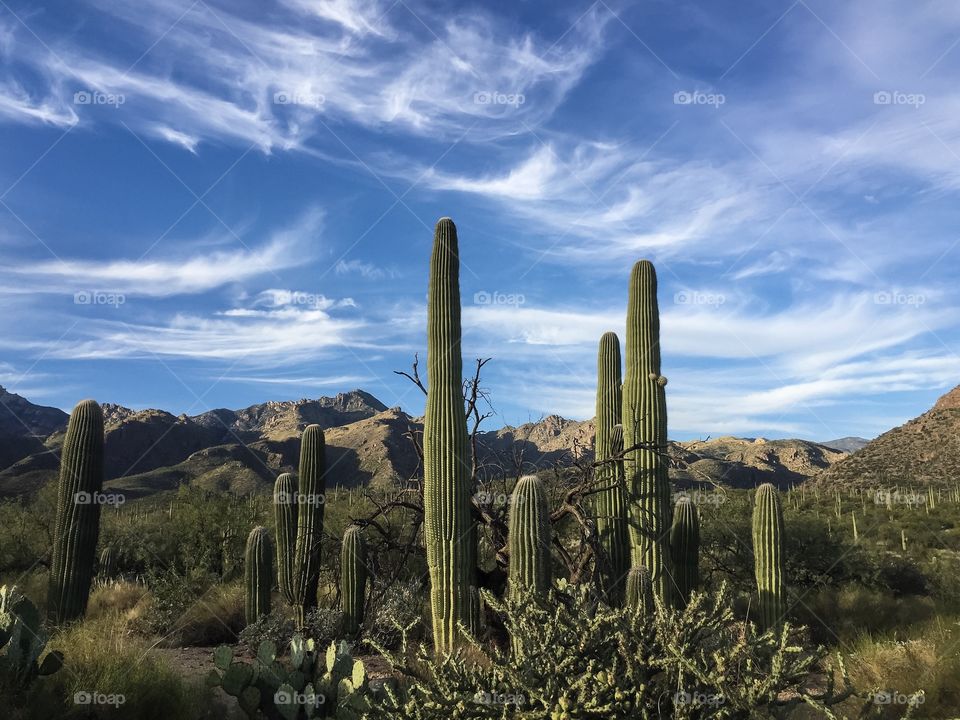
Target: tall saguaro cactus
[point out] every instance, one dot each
(285, 514)
(611, 502)
(685, 550)
(528, 537)
(645, 423)
(446, 465)
(309, 521)
(768, 555)
(77, 526)
(257, 574)
(353, 578)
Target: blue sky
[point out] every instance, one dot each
(208, 204)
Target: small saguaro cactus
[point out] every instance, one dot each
(257, 574)
(309, 521)
(108, 563)
(353, 578)
(685, 549)
(645, 424)
(640, 590)
(449, 534)
(285, 514)
(610, 504)
(768, 555)
(528, 537)
(77, 526)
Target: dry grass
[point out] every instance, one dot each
(215, 618)
(116, 597)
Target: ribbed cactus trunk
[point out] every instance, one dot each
(768, 555)
(353, 578)
(309, 521)
(285, 514)
(645, 422)
(685, 550)
(639, 590)
(107, 563)
(528, 537)
(257, 574)
(449, 539)
(77, 526)
(610, 504)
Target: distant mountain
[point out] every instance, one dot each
(925, 450)
(24, 426)
(149, 451)
(846, 444)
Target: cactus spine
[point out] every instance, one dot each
(353, 578)
(257, 574)
(768, 555)
(611, 502)
(645, 423)
(77, 527)
(528, 537)
(640, 590)
(448, 530)
(309, 521)
(285, 513)
(685, 549)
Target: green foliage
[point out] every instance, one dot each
(78, 514)
(258, 574)
(309, 520)
(304, 685)
(610, 502)
(645, 427)
(579, 658)
(353, 579)
(768, 556)
(448, 535)
(285, 516)
(398, 605)
(276, 627)
(685, 549)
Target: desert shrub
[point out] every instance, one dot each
(215, 617)
(324, 626)
(398, 606)
(839, 615)
(277, 627)
(577, 658)
(171, 594)
(114, 596)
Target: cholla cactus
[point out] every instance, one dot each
(78, 514)
(768, 555)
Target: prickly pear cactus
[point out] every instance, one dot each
(22, 640)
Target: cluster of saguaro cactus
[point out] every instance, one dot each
(78, 514)
(310, 505)
(610, 502)
(685, 549)
(285, 516)
(768, 555)
(353, 578)
(257, 574)
(529, 536)
(645, 431)
(449, 536)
